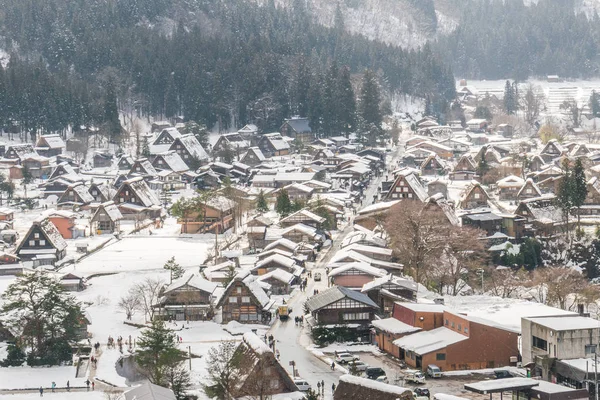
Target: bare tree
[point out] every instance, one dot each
(418, 236)
(532, 103)
(463, 253)
(504, 282)
(556, 285)
(222, 370)
(129, 304)
(147, 292)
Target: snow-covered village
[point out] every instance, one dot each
(299, 200)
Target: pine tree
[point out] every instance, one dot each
(27, 178)
(579, 188)
(176, 271)
(509, 98)
(111, 112)
(331, 102)
(564, 196)
(369, 108)
(261, 202)
(283, 206)
(157, 353)
(346, 103)
(595, 103)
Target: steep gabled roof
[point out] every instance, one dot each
(142, 191)
(192, 145)
(50, 141)
(334, 294)
(194, 281)
(172, 161)
(111, 210)
(531, 184)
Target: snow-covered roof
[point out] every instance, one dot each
(173, 161)
(501, 385)
(369, 249)
(394, 326)
(192, 145)
(427, 341)
(358, 236)
(257, 345)
(282, 242)
(300, 187)
(358, 266)
(111, 210)
(253, 285)
(194, 281)
(423, 307)
(394, 280)
(566, 323)
(142, 191)
(277, 259)
(378, 207)
(510, 181)
(149, 391)
(373, 385)
(304, 213)
(294, 176)
(51, 141)
(335, 294)
(278, 274)
(220, 203)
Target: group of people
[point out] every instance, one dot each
(88, 383)
(299, 321)
(119, 342)
(179, 339)
(321, 388)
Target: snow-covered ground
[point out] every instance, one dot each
(56, 396)
(27, 377)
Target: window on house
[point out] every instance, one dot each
(233, 300)
(466, 330)
(398, 189)
(459, 327)
(246, 299)
(446, 321)
(590, 349)
(528, 191)
(185, 156)
(477, 196)
(410, 195)
(539, 343)
(405, 189)
(440, 356)
(274, 383)
(394, 195)
(32, 242)
(452, 325)
(238, 289)
(36, 235)
(42, 242)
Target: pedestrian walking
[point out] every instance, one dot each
(53, 386)
(87, 383)
(318, 387)
(41, 391)
(332, 365)
(332, 388)
(68, 386)
(323, 386)
(93, 385)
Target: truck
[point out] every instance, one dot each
(284, 312)
(414, 375)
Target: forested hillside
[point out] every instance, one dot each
(498, 39)
(209, 60)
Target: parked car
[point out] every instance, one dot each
(382, 379)
(414, 375)
(302, 385)
(374, 372)
(422, 392)
(359, 365)
(434, 371)
(343, 358)
(317, 277)
(502, 373)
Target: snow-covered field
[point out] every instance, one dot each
(56, 396)
(27, 377)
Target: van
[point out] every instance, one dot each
(302, 385)
(434, 371)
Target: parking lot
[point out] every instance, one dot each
(447, 385)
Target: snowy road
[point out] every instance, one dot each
(291, 340)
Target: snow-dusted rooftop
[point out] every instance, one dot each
(394, 326)
(566, 323)
(427, 341)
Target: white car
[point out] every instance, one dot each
(344, 358)
(359, 365)
(302, 385)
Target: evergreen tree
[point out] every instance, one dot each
(510, 98)
(176, 271)
(261, 202)
(199, 131)
(157, 353)
(27, 178)
(112, 125)
(564, 196)
(370, 99)
(330, 103)
(283, 205)
(595, 104)
(579, 190)
(38, 310)
(346, 103)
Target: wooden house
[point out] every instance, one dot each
(106, 219)
(72, 282)
(528, 190)
(101, 192)
(437, 186)
(465, 169)
(280, 280)
(188, 298)
(169, 160)
(125, 163)
(102, 159)
(49, 145)
(136, 201)
(340, 305)
(20, 152)
(42, 245)
(190, 150)
(158, 126)
(244, 300)
(444, 152)
(474, 196)
(303, 216)
(142, 167)
(298, 129)
(7, 214)
(233, 141)
(303, 233)
(216, 216)
(166, 136)
(253, 157)
(76, 195)
(508, 188)
(433, 166)
(553, 149)
(272, 144)
(543, 217)
(250, 133)
(276, 261)
(354, 275)
(407, 186)
(356, 388)
(10, 264)
(259, 373)
(388, 289)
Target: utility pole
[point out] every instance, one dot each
(190, 356)
(596, 374)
